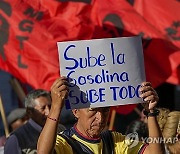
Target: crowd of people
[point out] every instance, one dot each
(41, 126)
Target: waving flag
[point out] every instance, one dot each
(29, 30)
(164, 16)
(28, 35)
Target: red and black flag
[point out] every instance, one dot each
(29, 30)
(163, 15)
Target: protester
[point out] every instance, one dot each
(169, 123)
(171, 132)
(171, 126)
(24, 139)
(17, 118)
(86, 136)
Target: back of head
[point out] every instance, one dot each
(138, 127)
(16, 118)
(32, 95)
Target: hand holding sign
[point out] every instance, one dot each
(102, 72)
(149, 95)
(59, 91)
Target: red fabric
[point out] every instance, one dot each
(35, 61)
(164, 16)
(124, 109)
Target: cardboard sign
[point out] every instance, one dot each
(102, 72)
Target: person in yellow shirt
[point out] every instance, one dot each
(87, 135)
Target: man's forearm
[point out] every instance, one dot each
(47, 137)
(156, 145)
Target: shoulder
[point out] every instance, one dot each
(11, 139)
(11, 144)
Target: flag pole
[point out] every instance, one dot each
(6, 128)
(137, 111)
(113, 115)
(18, 90)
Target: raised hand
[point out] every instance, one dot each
(59, 91)
(149, 95)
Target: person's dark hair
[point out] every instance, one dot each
(139, 127)
(32, 95)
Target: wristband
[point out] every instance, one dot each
(151, 114)
(54, 119)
